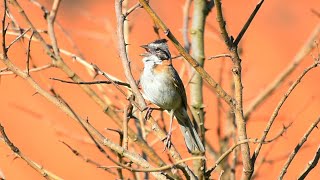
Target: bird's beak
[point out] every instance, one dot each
(144, 46)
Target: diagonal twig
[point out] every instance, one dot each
(277, 109)
(312, 164)
(297, 148)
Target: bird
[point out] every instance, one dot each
(163, 87)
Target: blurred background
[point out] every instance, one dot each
(88, 29)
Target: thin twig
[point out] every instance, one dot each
(93, 82)
(86, 159)
(225, 154)
(277, 109)
(312, 164)
(28, 54)
(45, 173)
(219, 56)
(30, 70)
(304, 51)
(166, 167)
(297, 148)
(17, 38)
(245, 27)
(51, 18)
(185, 25)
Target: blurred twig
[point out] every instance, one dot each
(304, 51)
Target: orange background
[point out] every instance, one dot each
(277, 33)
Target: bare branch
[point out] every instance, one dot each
(51, 18)
(93, 82)
(313, 163)
(86, 159)
(276, 111)
(297, 148)
(304, 51)
(185, 26)
(39, 168)
(237, 79)
(245, 27)
(30, 70)
(219, 56)
(17, 38)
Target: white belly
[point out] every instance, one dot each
(160, 90)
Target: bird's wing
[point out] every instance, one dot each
(179, 85)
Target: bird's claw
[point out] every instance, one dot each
(167, 141)
(148, 113)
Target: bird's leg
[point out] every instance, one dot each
(149, 111)
(168, 137)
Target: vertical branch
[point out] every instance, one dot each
(236, 73)
(51, 18)
(123, 54)
(196, 83)
(185, 29)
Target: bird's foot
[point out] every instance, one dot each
(167, 141)
(148, 113)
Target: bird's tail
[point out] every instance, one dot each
(190, 134)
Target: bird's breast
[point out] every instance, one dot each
(159, 88)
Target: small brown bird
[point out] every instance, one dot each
(162, 86)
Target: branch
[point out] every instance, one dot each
(109, 110)
(276, 111)
(86, 159)
(219, 56)
(123, 54)
(225, 154)
(185, 25)
(51, 18)
(30, 70)
(163, 168)
(297, 148)
(312, 164)
(245, 27)
(238, 109)
(93, 82)
(45, 173)
(304, 51)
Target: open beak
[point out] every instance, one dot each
(144, 47)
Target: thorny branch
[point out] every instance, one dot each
(280, 104)
(45, 173)
(312, 164)
(297, 148)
